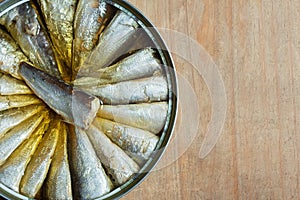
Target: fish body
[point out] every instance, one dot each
(113, 43)
(90, 17)
(14, 137)
(17, 101)
(139, 65)
(74, 106)
(23, 24)
(12, 171)
(117, 163)
(39, 164)
(13, 117)
(10, 55)
(144, 90)
(146, 116)
(12, 86)
(59, 17)
(137, 143)
(89, 178)
(58, 183)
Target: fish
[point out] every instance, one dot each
(10, 55)
(14, 137)
(90, 19)
(89, 180)
(13, 117)
(58, 184)
(137, 143)
(75, 106)
(150, 89)
(23, 25)
(138, 65)
(17, 101)
(114, 42)
(59, 17)
(147, 116)
(12, 171)
(39, 164)
(116, 162)
(12, 86)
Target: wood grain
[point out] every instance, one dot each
(256, 45)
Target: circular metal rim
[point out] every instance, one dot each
(121, 191)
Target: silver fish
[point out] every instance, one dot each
(90, 17)
(59, 17)
(13, 117)
(14, 137)
(138, 65)
(137, 143)
(136, 91)
(74, 106)
(58, 183)
(12, 171)
(12, 86)
(10, 55)
(150, 117)
(113, 42)
(17, 101)
(22, 23)
(39, 164)
(89, 178)
(117, 163)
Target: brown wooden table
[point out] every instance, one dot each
(256, 46)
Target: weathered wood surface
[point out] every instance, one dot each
(256, 45)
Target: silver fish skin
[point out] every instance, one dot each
(89, 18)
(117, 163)
(144, 90)
(10, 55)
(137, 143)
(76, 107)
(138, 65)
(14, 137)
(88, 176)
(23, 25)
(13, 117)
(146, 116)
(38, 167)
(17, 101)
(12, 171)
(59, 17)
(12, 86)
(58, 184)
(113, 42)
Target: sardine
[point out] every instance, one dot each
(14, 137)
(137, 143)
(76, 107)
(39, 164)
(90, 18)
(150, 117)
(136, 91)
(139, 65)
(89, 178)
(12, 171)
(113, 43)
(59, 17)
(13, 117)
(12, 86)
(58, 183)
(17, 101)
(117, 163)
(22, 23)
(10, 55)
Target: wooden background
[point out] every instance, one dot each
(256, 45)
